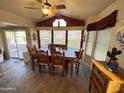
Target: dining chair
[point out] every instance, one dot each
(52, 47)
(77, 60)
(31, 50)
(43, 60)
(58, 62)
(33, 55)
(61, 46)
(38, 50)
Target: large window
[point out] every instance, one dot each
(74, 38)
(59, 37)
(45, 38)
(90, 43)
(102, 44)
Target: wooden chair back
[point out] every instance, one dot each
(51, 47)
(36, 50)
(31, 51)
(43, 57)
(42, 51)
(79, 54)
(61, 46)
(58, 58)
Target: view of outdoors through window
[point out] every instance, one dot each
(59, 37)
(89, 43)
(16, 43)
(102, 44)
(45, 38)
(74, 38)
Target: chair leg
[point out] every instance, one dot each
(90, 87)
(49, 67)
(66, 67)
(39, 67)
(71, 69)
(32, 63)
(52, 70)
(63, 73)
(78, 65)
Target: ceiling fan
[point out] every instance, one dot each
(45, 6)
(62, 6)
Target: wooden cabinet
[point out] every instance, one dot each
(104, 81)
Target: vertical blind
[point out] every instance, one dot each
(102, 44)
(90, 43)
(45, 38)
(74, 38)
(59, 37)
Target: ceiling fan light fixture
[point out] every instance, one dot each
(45, 11)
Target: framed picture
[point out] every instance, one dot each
(120, 38)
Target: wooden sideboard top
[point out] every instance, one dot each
(118, 76)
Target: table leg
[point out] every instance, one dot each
(66, 66)
(32, 64)
(71, 68)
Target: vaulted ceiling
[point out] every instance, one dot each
(80, 9)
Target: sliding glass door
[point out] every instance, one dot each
(21, 43)
(11, 41)
(16, 43)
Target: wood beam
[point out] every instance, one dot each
(61, 28)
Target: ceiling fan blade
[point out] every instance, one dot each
(32, 7)
(47, 4)
(40, 1)
(60, 6)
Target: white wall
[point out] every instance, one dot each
(6, 16)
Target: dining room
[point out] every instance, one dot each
(61, 46)
(56, 39)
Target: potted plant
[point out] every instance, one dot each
(113, 64)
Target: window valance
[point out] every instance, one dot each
(108, 21)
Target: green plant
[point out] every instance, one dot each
(112, 54)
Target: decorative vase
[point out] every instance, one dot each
(113, 65)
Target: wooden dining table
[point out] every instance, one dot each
(69, 57)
